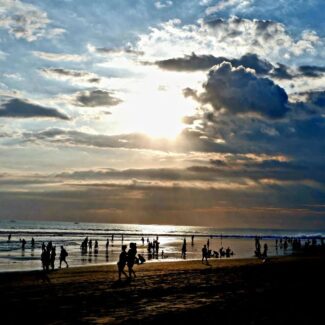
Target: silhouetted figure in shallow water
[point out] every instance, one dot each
(33, 243)
(192, 240)
(107, 244)
(122, 262)
(142, 239)
(184, 249)
(96, 246)
(131, 258)
(9, 238)
(52, 258)
(265, 250)
(23, 244)
(63, 256)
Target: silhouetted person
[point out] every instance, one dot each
(90, 244)
(208, 243)
(122, 262)
(9, 238)
(52, 258)
(192, 240)
(63, 256)
(96, 246)
(184, 249)
(45, 260)
(265, 250)
(142, 239)
(23, 244)
(131, 258)
(107, 244)
(205, 254)
(33, 242)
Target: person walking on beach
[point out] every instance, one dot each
(131, 258)
(122, 262)
(205, 254)
(9, 238)
(107, 244)
(63, 256)
(33, 243)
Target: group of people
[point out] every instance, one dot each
(88, 244)
(48, 256)
(207, 253)
(128, 258)
(258, 247)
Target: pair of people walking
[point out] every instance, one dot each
(127, 258)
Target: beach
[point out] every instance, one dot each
(282, 290)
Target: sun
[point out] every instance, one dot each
(158, 113)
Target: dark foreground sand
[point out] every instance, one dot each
(286, 290)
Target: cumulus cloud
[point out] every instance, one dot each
(70, 75)
(230, 37)
(59, 56)
(18, 108)
(239, 90)
(93, 98)
(26, 21)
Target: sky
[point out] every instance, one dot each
(206, 112)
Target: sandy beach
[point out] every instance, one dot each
(247, 291)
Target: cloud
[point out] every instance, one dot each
(18, 108)
(78, 138)
(195, 62)
(239, 90)
(163, 4)
(232, 37)
(62, 57)
(311, 71)
(26, 21)
(70, 75)
(127, 50)
(93, 98)
(317, 98)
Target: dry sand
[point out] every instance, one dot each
(247, 291)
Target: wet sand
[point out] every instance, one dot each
(282, 291)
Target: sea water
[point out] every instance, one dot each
(171, 238)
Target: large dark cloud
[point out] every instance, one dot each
(239, 90)
(311, 71)
(93, 98)
(19, 108)
(195, 62)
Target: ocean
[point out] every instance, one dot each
(171, 239)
